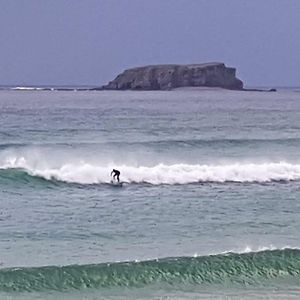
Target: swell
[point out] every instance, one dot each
(168, 142)
(242, 269)
(87, 173)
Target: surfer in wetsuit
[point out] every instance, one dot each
(116, 174)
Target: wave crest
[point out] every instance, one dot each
(86, 173)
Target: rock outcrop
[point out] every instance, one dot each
(166, 77)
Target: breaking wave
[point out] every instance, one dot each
(87, 173)
(80, 171)
(252, 268)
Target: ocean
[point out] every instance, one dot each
(209, 207)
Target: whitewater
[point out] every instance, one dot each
(209, 206)
(86, 173)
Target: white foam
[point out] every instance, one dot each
(26, 88)
(249, 249)
(91, 173)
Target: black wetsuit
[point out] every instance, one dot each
(116, 174)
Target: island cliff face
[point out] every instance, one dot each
(166, 77)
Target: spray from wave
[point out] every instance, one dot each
(92, 173)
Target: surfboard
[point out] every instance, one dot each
(116, 183)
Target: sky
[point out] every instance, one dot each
(88, 42)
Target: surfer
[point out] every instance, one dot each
(116, 174)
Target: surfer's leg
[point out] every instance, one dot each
(118, 178)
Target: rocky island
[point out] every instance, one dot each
(166, 77)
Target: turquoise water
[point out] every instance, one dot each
(209, 206)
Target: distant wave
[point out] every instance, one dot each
(86, 173)
(231, 268)
(50, 88)
(26, 88)
(165, 142)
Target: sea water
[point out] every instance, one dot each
(209, 207)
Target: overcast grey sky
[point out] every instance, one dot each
(88, 42)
